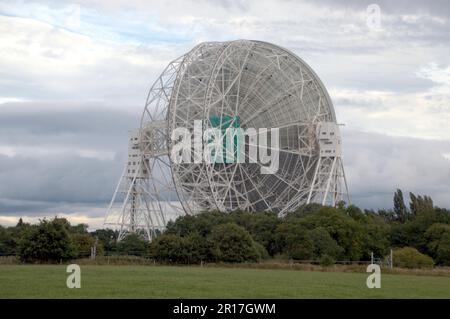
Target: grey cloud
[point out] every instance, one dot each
(36, 182)
(68, 124)
(21, 208)
(435, 7)
(241, 5)
(377, 164)
(18, 206)
(338, 47)
(58, 178)
(346, 54)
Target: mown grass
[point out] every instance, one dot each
(49, 281)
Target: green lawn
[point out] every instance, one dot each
(46, 281)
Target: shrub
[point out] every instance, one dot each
(327, 260)
(409, 257)
(171, 248)
(168, 248)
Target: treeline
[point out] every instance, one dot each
(419, 233)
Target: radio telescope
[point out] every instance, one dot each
(245, 84)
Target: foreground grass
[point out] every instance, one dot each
(49, 281)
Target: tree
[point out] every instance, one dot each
(133, 245)
(199, 248)
(173, 248)
(348, 233)
(261, 226)
(7, 242)
(355, 213)
(169, 248)
(376, 237)
(388, 215)
(413, 204)
(201, 223)
(428, 203)
(63, 222)
(412, 233)
(294, 241)
(305, 210)
(20, 223)
(324, 245)
(10, 237)
(48, 241)
(419, 204)
(79, 229)
(399, 206)
(438, 237)
(5, 248)
(107, 238)
(83, 243)
(232, 243)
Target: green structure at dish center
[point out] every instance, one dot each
(226, 124)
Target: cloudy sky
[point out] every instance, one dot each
(74, 78)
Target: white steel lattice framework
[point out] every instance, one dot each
(261, 85)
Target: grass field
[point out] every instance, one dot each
(49, 281)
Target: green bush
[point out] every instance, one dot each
(171, 248)
(409, 257)
(327, 260)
